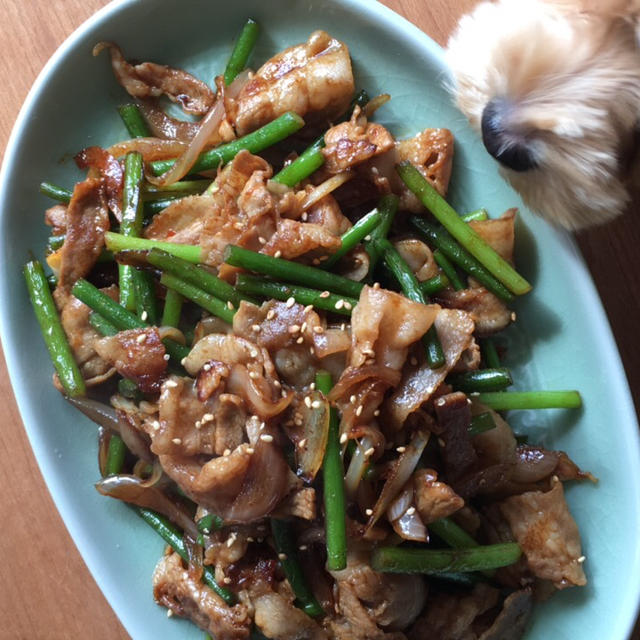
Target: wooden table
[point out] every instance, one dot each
(47, 592)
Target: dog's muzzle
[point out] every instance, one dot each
(508, 147)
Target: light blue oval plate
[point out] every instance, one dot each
(562, 339)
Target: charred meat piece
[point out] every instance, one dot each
(137, 354)
(419, 382)
(314, 79)
(87, 222)
(148, 79)
(351, 143)
(549, 537)
(188, 598)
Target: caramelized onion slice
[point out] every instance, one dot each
(207, 129)
(399, 475)
(311, 445)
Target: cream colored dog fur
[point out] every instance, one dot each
(554, 88)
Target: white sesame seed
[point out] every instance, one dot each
(302, 443)
(348, 306)
(142, 338)
(207, 417)
(250, 450)
(325, 294)
(253, 353)
(171, 384)
(302, 547)
(206, 366)
(369, 512)
(231, 539)
(440, 402)
(155, 425)
(352, 399)
(230, 305)
(339, 304)
(303, 327)
(249, 539)
(441, 442)
(253, 375)
(176, 440)
(265, 437)
(226, 452)
(376, 413)
(198, 424)
(369, 452)
(143, 316)
(316, 404)
(255, 327)
(513, 316)
(307, 401)
(300, 340)
(311, 351)
(343, 438)
(169, 613)
(294, 328)
(277, 254)
(318, 329)
(367, 238)
(304, 217)
(262, 240)
(290, 302)
(282, 557)
(411, 511)
(271, 314)
(308, 308)
(376, 285)
(359, 410)
(343, 326)
(226, 580)
(184, 361)
(166, 356)
(277, 384)
(401, 449)
(581, 559)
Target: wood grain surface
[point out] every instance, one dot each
(46, 590)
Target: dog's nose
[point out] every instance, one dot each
(510, 148)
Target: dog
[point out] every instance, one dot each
(553, 86)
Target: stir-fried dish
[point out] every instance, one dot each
(288, 339)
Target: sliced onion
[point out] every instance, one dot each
(325, 188)
(375, 103)
(401, 472)
(208, 126)
(100, 413)
(136, 441)
(313, 437)
(104, 437)
(533, 464)
(410, 527)
(195, 555)
(172, 333)
(354, 375)
(150, 148)
(400, 504)
(405, 522)
(356, 467)
(148, 494)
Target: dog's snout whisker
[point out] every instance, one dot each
(511, 148)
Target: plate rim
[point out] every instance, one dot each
(377, 12)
